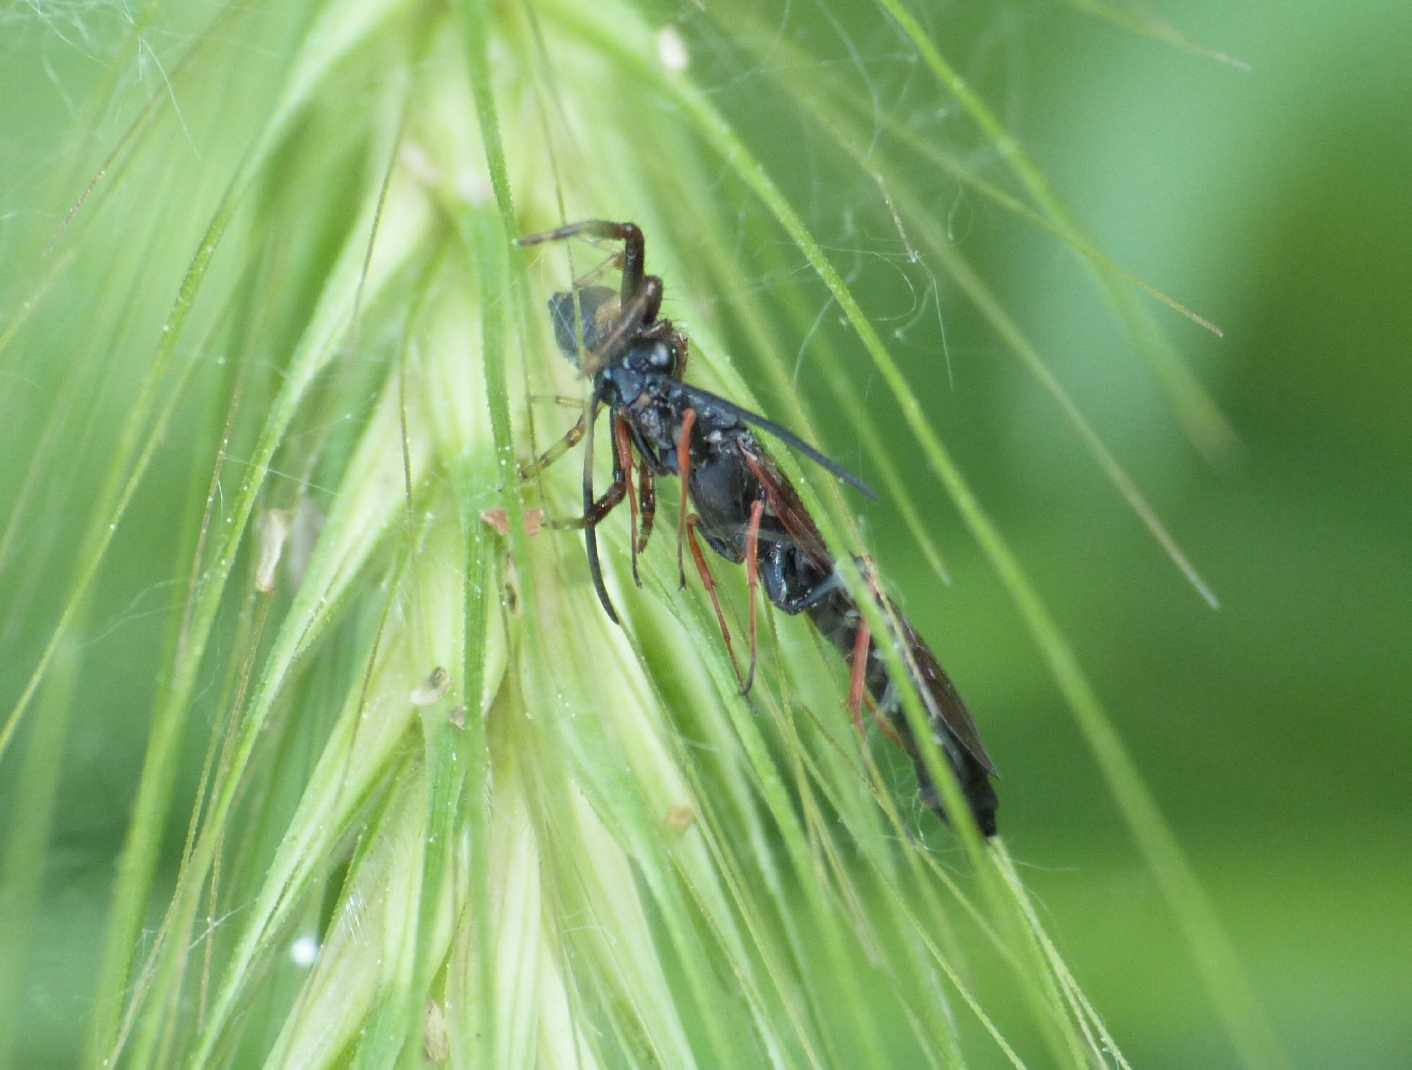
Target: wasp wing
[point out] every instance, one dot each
(944, 705)
(786, 504)
(704, 398)
(939, 694)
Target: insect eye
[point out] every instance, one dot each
(662, 357)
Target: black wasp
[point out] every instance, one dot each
(737, 498)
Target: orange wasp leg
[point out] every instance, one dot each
(622, 441)
(882, 722)
(862, 647)
(710, 583)
(647, 491)
(684, 470)
(752, 581)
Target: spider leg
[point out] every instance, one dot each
(639, 294)
(613, 261)
(637, 313)
(565, 400)
(684, 470)
(611, 499)
(634, 247)
(622, 441)
(572, 437)
(710, 583)
(752, 581)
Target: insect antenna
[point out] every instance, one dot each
(590, 530)
(704, 397)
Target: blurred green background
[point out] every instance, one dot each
(1274, 732)
(1274, 201)
(1278, 203)
(1263, 179)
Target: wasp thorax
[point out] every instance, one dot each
(659, 357)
